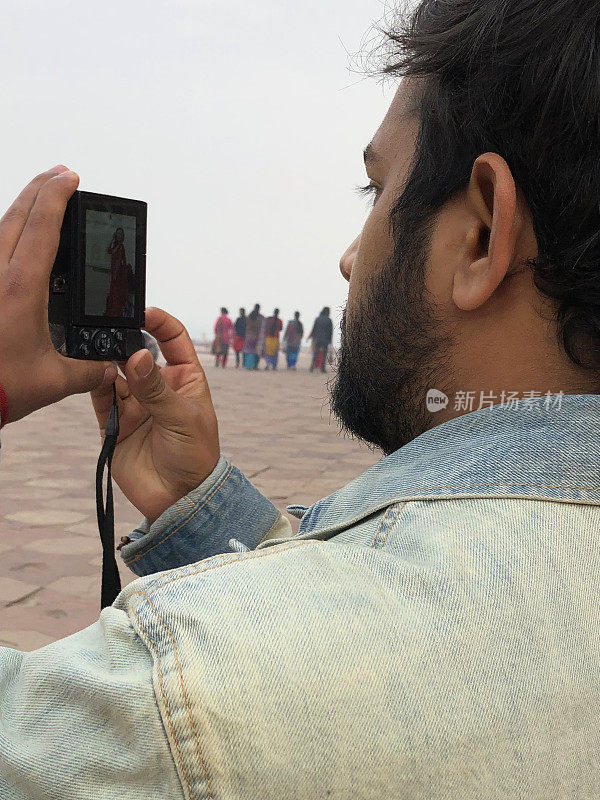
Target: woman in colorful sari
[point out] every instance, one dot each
(119, 268)
(293, 339)
(273, 328)
(253, 330)
(223, 338)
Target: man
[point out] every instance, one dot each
(273, 326)
(432, 631)
(321, 334)
(239, 336)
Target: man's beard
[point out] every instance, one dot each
(394, 349)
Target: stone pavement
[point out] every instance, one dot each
(275, 427)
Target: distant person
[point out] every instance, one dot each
(223, 337)
(273, 326)
(321, 334)
(254, 326)
(239, 336)
(293, 339)
(260, 344)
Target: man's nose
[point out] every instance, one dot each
(347, 260)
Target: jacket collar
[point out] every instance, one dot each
(539, 450)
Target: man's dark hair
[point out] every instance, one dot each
(297, 314)
(276, 312)
(522, 79)
(325, 311)
(242, 311)
(223, 310)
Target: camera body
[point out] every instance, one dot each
(98, 282)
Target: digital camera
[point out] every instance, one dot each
(97, 286)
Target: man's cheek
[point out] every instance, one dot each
(376, 243)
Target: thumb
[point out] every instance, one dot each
(149, 388)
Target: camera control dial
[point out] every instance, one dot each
(103, 343)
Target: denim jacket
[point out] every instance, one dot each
(431, 633)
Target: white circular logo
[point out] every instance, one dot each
(436, 400)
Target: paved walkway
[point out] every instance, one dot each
(274, 426)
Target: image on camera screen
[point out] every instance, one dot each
(109, 264)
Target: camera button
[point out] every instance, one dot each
(84, 349)
(103, 343)
(119, 353)
(118, 336)
(86, 335)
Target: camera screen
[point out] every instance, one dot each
(109, 264)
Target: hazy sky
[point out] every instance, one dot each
(239, 123)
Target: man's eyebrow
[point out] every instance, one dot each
(369, 154)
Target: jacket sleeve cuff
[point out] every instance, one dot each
(226, 512)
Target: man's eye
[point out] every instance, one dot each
(371, 191)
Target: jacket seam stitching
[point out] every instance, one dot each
(185, 522)
(389, 519)
(392, 524)
(498, 483)
(180, 507)
(166, 702)
(243, 556)
(382, 523)
(271, 528)
(185, 697)
(407, 497)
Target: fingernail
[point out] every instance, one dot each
(144, 366)
(58, 169)
(110, 376)
(68, 174)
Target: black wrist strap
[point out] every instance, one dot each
(111, 581)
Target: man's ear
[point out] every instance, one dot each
(491, 240)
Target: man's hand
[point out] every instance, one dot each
(168, 433)
(32, 373)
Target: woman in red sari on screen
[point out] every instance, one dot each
(119, 268)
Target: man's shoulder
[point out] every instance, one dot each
(299, 596)
(283, 595)
(260, 572)
(369, 644)
(263, 648)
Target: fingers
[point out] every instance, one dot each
(131, 414)
(150, 389)
(86, 376)
(14, 220)
(35, 252)
(102, 398)
(173, 339)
